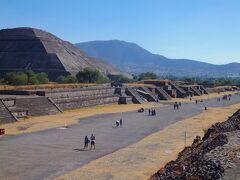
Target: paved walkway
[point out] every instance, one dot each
(53, 152)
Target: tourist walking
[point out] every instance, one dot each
(92, 141)
(180, 104)
(120, 122)
(149, 112)
(117, 123)
(86, 142)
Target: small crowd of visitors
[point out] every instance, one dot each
(176, 105)
(87, 141)
(225, 98)
(152, 112)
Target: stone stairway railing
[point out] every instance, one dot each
(136, 97)
(180, 91)
(151, 95)
(196, 91)
(163, 94)
(5, 114)
(51, 101)
(204, 89)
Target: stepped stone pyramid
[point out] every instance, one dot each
(34, 49)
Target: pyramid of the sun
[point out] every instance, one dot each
(33, 49)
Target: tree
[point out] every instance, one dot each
(42, 78)
(66, 79)
(88, 75)
(121, 79)
(24, 78)
(19, 78)
(146, 76)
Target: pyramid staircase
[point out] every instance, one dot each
(5, 114)
(163, 95)
(149, 95)
(196, 91)
(180, 92)
(137, 99)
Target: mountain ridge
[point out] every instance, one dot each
(133, 58)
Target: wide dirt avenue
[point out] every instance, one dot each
(53, 152)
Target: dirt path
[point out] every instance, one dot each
(141, 160)
(53, 152)
(39, 123)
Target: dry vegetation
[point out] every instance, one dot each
(45, 86)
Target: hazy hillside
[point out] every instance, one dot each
(134, 59)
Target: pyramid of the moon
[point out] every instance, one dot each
(34, 49)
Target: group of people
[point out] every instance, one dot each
(87, 141)
(176, 105)
(226, 97)
(152, 112)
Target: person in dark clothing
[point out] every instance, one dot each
(117, 123)
(86, 142)
(196, 101)
(149, 112)
(92, 141)
(120, 122)
(177, 106)
(180, 104)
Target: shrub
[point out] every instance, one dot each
(88, 75)
(24, 78)
(66, 79)
(42, 78)
(121, 79)
(19, 78)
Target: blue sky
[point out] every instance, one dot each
(206, 30)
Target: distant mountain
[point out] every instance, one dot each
(132, 58)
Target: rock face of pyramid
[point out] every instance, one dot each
(33, 49)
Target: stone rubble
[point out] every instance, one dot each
(206, 158)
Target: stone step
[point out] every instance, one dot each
(180, 92)
(136, 97)
(150, 96)
(76, 99)
(163, 95)
(69, 104)
(37, 106)
(196, 91)
(5, 115)
(90, 92)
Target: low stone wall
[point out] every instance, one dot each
(71, 104)
(86, 92)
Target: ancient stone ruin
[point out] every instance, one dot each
(34, 49)
(206, 158)
(16, 104)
